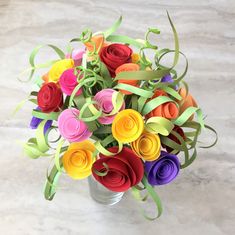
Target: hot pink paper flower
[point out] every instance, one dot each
(104, 100)
(68, 81)
(71, 128)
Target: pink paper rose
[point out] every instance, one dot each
(68, 81)
(104, 100)
(71, 128)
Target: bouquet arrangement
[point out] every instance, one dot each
(125, 119)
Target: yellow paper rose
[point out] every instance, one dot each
(147, 146)
(135, 58)
(78, 159)
(58, 68)
(127, 126)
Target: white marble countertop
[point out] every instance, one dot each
(201, 200)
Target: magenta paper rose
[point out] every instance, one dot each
(71, 128)
(104, 100)
(68, 81)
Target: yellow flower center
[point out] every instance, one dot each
(127, 126)
(78, 159)
(147, 146)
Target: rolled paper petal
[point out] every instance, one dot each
(186, 102)
(115, 55)
(163, 170)
(36, 121)
(125, 170)
(77, 55)
(97, 40)
(78, 159)
(167, 110)
(104, 100)
(50, 98)
(68, 81)
(180, 131)
(71, 128)
(135, 58)
(127, 126)
(168, 78)
(45, 77)
(147, 146)
(58, 68)
(124, 68)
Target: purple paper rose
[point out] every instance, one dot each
(168, 78)
(34, 123)
(163, 170)
(104, 102)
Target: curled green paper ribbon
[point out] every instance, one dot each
(134, 90)
(37, 147)
(159, 125)
(155, 197)
(137, 194)
(154, 103)
(187, 114)
(33, 55)
(113, 28)
(51, 182)
(100, 146)
(45, 116)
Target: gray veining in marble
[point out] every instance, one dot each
(201, 200)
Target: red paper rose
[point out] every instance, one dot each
(180, 131)
(115, 55)
(125, 170)
(50, 98)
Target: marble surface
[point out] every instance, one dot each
(201, 200)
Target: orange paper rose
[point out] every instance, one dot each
(186, 102)
(97, 41)
(167, 110)
(124, 68)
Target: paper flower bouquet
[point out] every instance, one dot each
(122, 118)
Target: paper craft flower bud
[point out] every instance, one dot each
(147, 146)
(135, 58)
(125, 68)
(77, 55)
(68, 81)
(115, 55)
(96, 41)
(186, 102)
(163, 170)
(127, 126)
(34, 123)
(125, 170)
(168, 78)
(71, 128)
(50, 98)
(167, 110)
(180, 131)
(58, 68)
(104, 100)
(78, 159)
